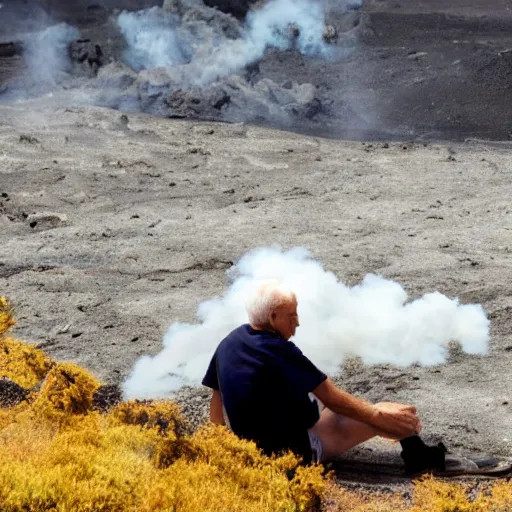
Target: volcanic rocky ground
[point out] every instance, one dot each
(113, 226)
(422, 69)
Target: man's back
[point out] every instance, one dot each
(264, 381)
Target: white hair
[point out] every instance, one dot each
(265, 299)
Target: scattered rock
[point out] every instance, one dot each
(116, 75)
(307, 103)
(219, 99)
(416, 55)
(274, 93)
(305, 94)
(47, 220)
(86, 55)
(11, 49)
(252, 71)
(330, 34)
(229, 26)
(28, 139)
(173, 6)
(65, 329)
(106, 397)
(194, 404)
(154, 82)
(185, 103)
(11, 394)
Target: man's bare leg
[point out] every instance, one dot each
(339, 433)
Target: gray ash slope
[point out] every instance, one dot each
(410, 70)
(419, 74)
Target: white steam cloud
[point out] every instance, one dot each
(203, 53)
(372, 320)
(46, 54)
(152, 42)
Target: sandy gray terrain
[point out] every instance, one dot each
(114, 227)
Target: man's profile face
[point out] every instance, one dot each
(285, 319)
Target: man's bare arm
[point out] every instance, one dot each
(216, 411)
(397, 420)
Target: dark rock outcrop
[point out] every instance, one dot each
(106, 397)
(11, 394)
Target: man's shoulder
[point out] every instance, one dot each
(239, 332)
(245, 337)
(236, 336)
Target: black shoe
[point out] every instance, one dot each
(419, 457)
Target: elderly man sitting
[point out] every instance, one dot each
(262, 384)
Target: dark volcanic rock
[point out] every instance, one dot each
(116, 75)
(11, 394)
(238, 8)
(421, 70)
(185, 103)
(194, 404)
(106, 397)
(11, 49)
(87, 54)
(204, 103)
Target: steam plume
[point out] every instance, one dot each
(151, 38)
(46, 54)
(372, 320)
(205, 53)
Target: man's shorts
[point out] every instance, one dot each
(317, 449)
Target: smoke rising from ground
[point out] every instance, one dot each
(45, 46)
(207, 53)
(185, 60)
(151, 38)
(372, 320)
(46, 54)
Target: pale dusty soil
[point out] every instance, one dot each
(151, 213)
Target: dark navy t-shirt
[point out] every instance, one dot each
(264, 381)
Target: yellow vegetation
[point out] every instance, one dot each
(6, 319)
(22, 363)
(67, 391)
(19, 362)
(429, 495)
(58, 454)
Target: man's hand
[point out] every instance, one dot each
(397, 420)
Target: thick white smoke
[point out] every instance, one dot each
(203, 54)
(372, 320)
(151, 38)
(46, 54)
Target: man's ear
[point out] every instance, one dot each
(272, 318)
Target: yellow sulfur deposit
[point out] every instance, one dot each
(67, 391)
(57, 453)
(19, 362)
(6, 319)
